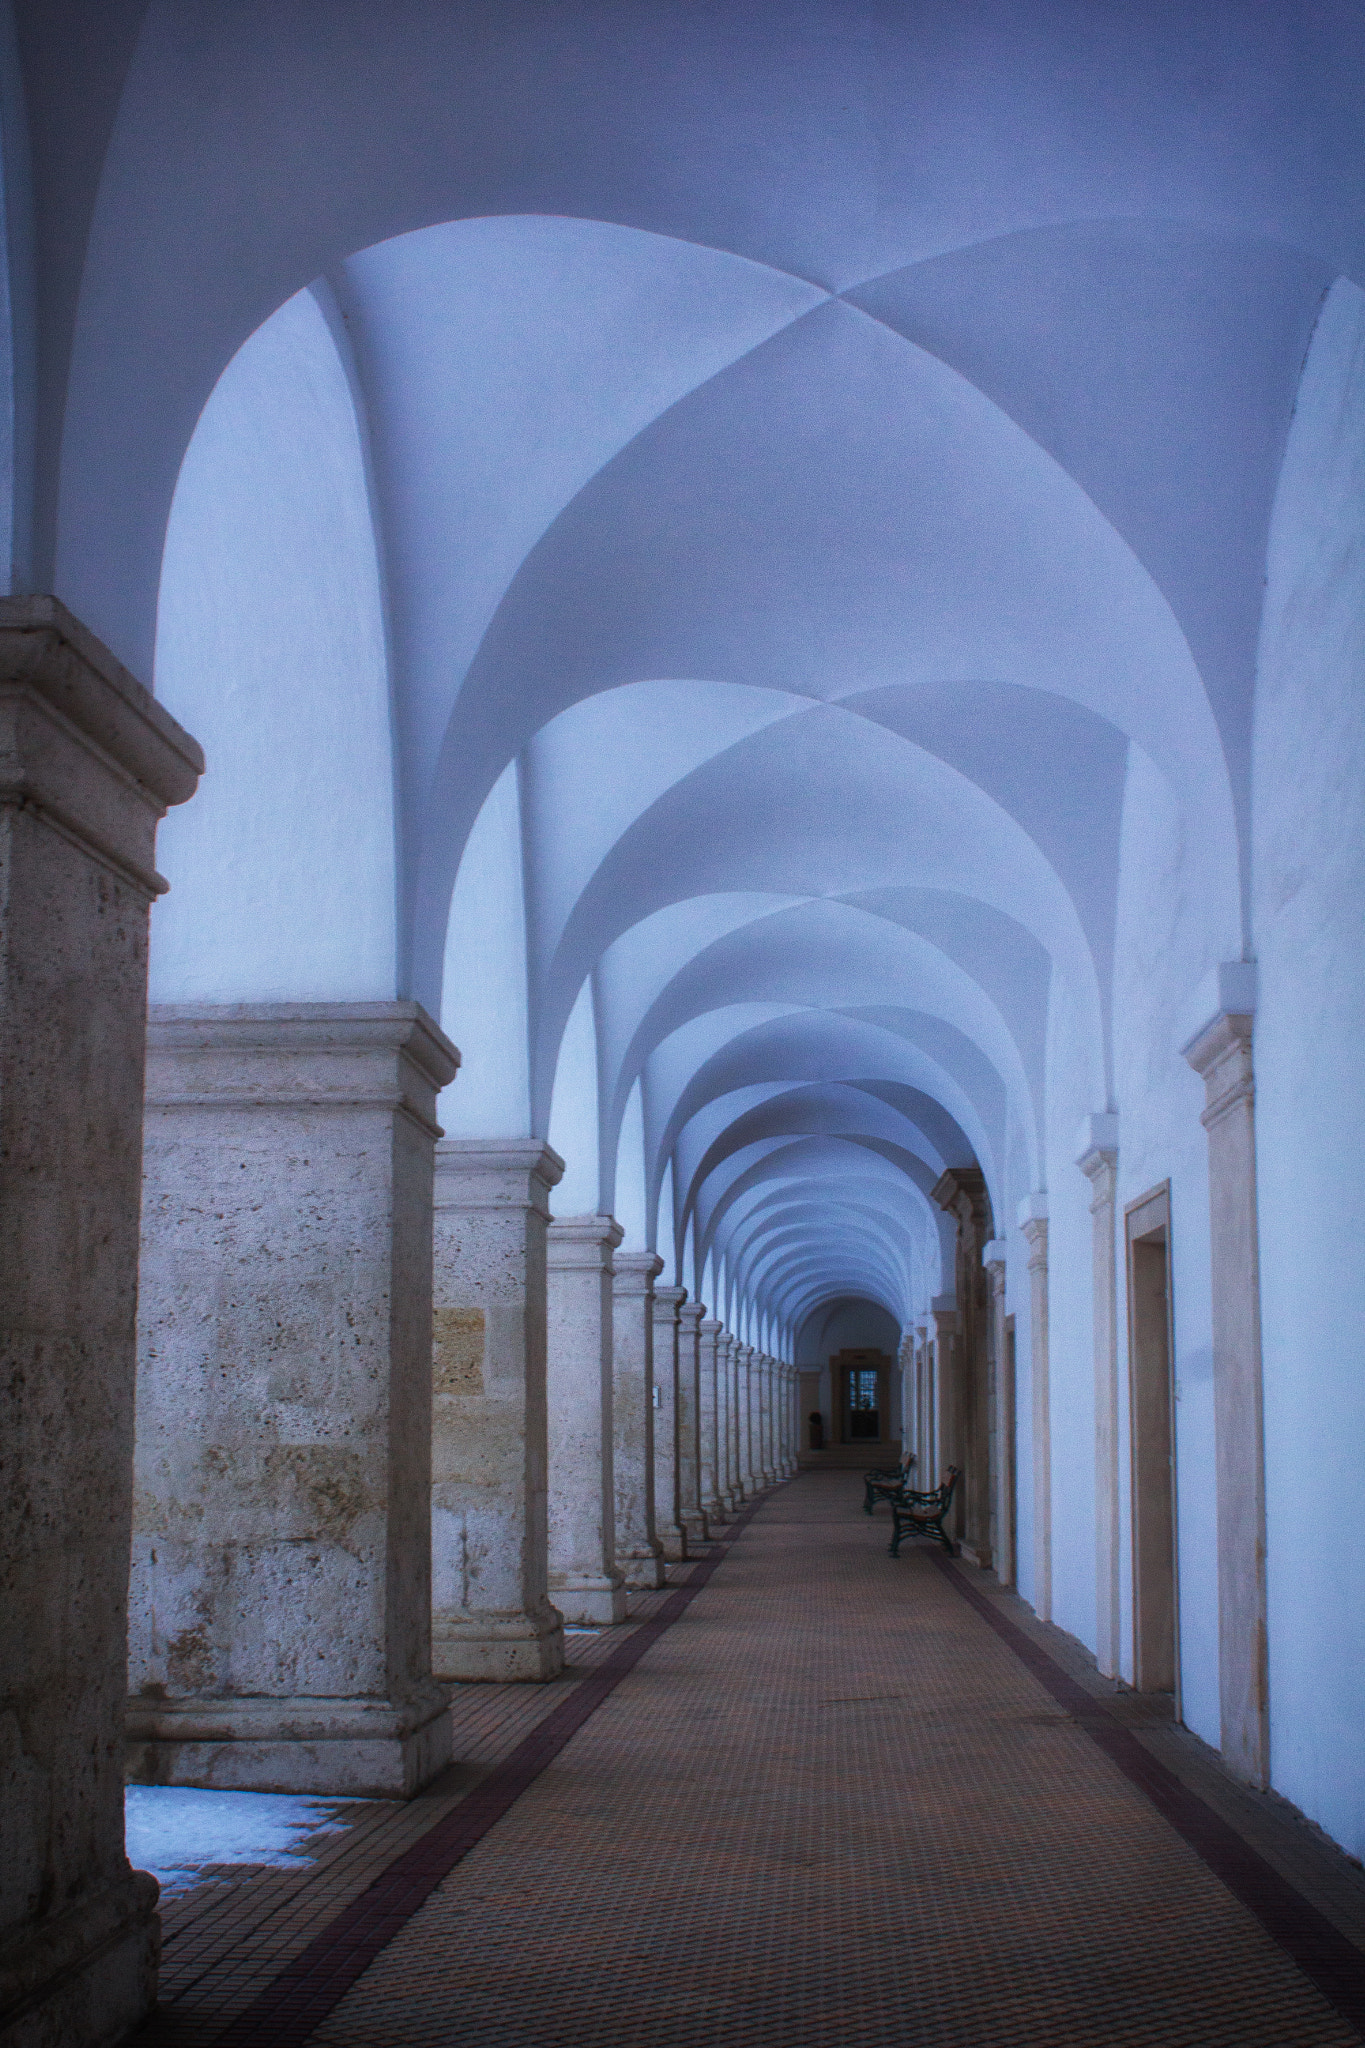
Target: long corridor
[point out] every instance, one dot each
(843, 1798)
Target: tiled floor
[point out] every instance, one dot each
(841, 1799)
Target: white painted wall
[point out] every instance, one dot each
(1309, 918)
(271, 650)
(573, 1112)
(483, 1000)
(1168, 933)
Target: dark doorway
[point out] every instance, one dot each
(860, 1382)
(1150, 1349)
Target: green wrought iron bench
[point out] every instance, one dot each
(923, 1514)
(889, 1479)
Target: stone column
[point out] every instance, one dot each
(768, 1382)
(697, 1449)
(792, 1411)
(946, 1445)
(1033, 1223)
(491, 1612)
(961, 1191)
(1222, 1055)
(1002, 1389)
(639, 1555)
(280, 1629)
(757, 1464)
(88, 764)
(715, 1506)
(1098, 1161)
(585, 1583)
(727, 1369)
(670, 1422)
(745, 1379)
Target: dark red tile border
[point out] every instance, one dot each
(314, 1984)
(1331, 1962)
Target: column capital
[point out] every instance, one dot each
(711, 1326)
(582, 1241)
(314, 1056)
(635, 1272)
(496, 1173)
(693, 1312)
(1221, 1055)
(1098, 1140)
(84, 748)
(668, 1304)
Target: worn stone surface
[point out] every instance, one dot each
(88, 764)
(639, 1554)
(1222, 1056)
(491, 1613)
(1033, 1224)
(585, 1583)
(674, 1422)
(696, 1425)
(280, 1632)
(713, 1406)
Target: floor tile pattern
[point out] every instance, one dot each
(835, 1802)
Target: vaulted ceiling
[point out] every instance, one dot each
(752, 480)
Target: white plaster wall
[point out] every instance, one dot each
(1070, 1060)
(1168, 934)
(271, 650)
(483, 1000)
(573, 1112)
(1309, 917)
(629, 1200)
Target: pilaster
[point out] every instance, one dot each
(639, 1554)
(89, 763)
(280, 1631)
(584, 1580)
(1033, 1224)
(1221, 1054)
(491, 1611)
(993, 1257)
(1098, 1161)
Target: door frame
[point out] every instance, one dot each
(1145, 1219)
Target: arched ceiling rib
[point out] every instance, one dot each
(815, 494)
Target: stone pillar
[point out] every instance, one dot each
(1222, 1055)
(746, 1381)
(1002, 1392)
(793, 1415)
(961, 1191)
(696, 1426)
(715, 1506)
(668, 1426)
(945, 1447)
(491, 1612)
(727, 1368)
(1098, 1161)
(280, 1629)
(1033, 1223)
(585, 1583)
(757, 1464)
(639, 1554)
(768, 1383)
(89, 763)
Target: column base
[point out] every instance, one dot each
(734, 1498)
(84, 1976)
(673, 1544)
(694, 1526)
(642, 1570)
(357, 1748)
(716, 1511)
(498, 1648)
(980, 1556)
(594, 1601)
